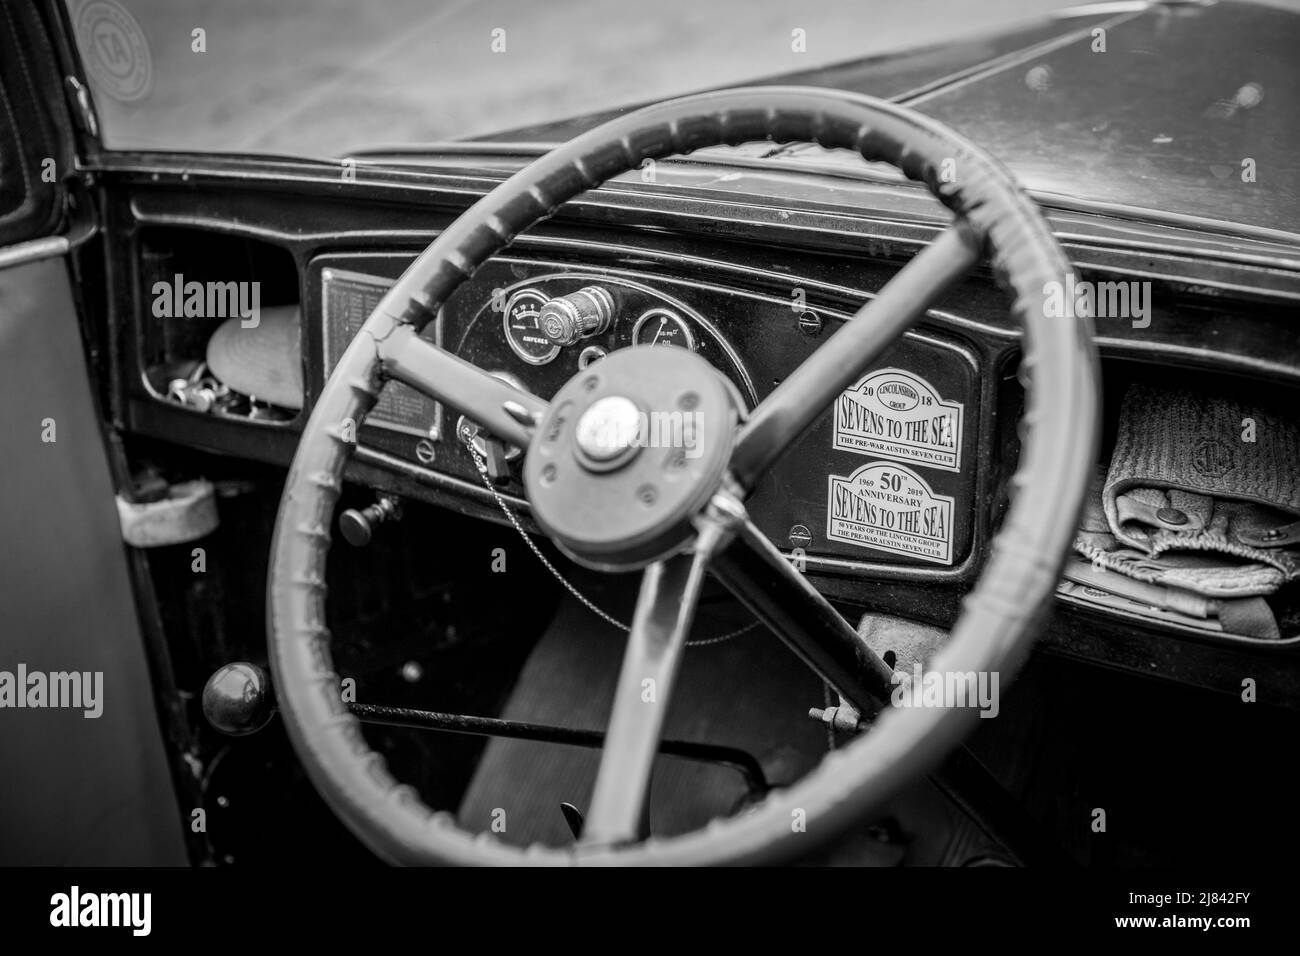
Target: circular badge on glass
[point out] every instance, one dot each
(114, 50)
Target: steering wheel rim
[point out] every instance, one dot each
(998, 621)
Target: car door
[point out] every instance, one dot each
(86, 777)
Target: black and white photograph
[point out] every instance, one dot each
(846, 435)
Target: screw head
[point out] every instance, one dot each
(810, 323)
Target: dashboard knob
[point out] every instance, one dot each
(578, 315)
(358, 527)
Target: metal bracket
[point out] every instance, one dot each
(843, 717)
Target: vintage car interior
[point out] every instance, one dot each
(311, 458)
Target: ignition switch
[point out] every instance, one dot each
(495, 452)
(578, 315)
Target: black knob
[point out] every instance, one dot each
(238, 699)
(358, 527)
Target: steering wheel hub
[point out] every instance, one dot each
(609, 432)
(630, 449)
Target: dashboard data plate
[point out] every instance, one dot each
(347, 299)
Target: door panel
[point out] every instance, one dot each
(77, 790)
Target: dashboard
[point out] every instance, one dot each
(888, 502)
(885, 477)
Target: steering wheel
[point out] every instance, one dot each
(613, 504)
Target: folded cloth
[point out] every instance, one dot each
(1203, 493)
(1195, 589)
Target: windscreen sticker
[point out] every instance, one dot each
(892, 413)
(889, 507)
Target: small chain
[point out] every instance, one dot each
(704, 641)
(582, 598)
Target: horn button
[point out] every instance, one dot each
(609, 433)
(629, 451)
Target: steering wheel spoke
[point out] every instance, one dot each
(763, 580)
(804, 396)
(505, 411)
(661, 623)
(664, 611)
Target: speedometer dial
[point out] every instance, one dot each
(524, 332)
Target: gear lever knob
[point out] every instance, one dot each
(238, 699)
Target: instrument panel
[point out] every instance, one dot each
(885, 477)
